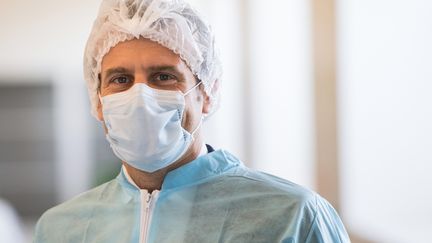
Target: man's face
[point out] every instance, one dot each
(145, 61)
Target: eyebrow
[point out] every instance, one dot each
(152, 69)
(166, 68)
(115, 70)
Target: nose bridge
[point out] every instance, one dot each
(141, 74)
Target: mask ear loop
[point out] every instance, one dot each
(202, 116)
(100, 97)
(196, 129)
(191, 89)
(100, 101)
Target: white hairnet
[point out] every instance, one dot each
(171, 23)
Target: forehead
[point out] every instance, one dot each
(143, 52)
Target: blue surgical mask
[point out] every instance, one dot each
(144, 126)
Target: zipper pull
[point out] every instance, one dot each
(147, 200)
(149, 197)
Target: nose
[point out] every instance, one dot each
(140, 77)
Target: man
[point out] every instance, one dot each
(152, 74)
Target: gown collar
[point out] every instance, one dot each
(202, 168)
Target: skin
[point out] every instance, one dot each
(145, 61)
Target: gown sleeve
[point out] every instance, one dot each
(326, 226)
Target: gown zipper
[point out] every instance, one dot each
(147, 202)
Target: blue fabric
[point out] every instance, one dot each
(214, 198)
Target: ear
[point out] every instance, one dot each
(208, 101)
(100, 116)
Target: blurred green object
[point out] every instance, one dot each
(105, 171)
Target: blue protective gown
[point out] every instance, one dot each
(214, 198)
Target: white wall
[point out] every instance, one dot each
(39, 36)
(385, 79)
(281, 89)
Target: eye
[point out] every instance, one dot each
(164, 77)
(121, 80)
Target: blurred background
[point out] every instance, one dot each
(331, 94)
